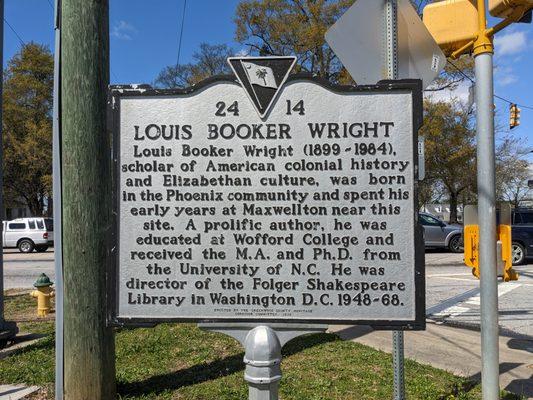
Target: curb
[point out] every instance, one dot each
(472, 326)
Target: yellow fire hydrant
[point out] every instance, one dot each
(43, 294)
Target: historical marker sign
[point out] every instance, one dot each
(267, 199)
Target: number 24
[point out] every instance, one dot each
(221, 109)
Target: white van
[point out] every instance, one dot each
(29, 234)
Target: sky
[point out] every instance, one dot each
(144, 39)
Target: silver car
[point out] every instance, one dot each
(438, 233)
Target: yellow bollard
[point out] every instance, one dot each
(43, 294)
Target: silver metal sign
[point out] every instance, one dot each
(357, 38)
(307, 214)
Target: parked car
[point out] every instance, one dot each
(522, 234)
(438, 233)
(29, 234)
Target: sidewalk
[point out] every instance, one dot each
(455, 350)
(16, 392)
(453, 296)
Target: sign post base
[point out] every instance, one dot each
(8, 331)
(262, 346)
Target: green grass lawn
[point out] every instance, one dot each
(179, 361)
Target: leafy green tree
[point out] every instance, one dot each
(287, 27)
(293, 27)
(297, 27)
(27, 119)
(450, 150)
(209, 60)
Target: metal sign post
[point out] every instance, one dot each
(391, 35)
(262, 346)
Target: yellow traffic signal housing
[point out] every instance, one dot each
(514, 116)
(504, 8)
(504, 236)
(471, 242)
(471, 248)
(452, 23)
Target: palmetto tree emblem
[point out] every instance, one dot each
(261, 74)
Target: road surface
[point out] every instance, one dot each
(452, 295)
(21, 270)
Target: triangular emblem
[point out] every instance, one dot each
(262, 78)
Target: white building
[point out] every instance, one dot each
(442, 211)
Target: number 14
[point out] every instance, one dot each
(298, 108)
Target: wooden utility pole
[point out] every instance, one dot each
(89, 372)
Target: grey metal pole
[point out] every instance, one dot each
(56, 170)
(398, 363)
(487, 226)
(2, 217)
(262, 346)
(391, 35)
(263, 363)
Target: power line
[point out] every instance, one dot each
(512, 102)
(498, 97)
(113, 75)
(461, 71)
(15, 32)
(181, 32)
(49, 2)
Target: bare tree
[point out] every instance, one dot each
(208, 61)
(512, 172)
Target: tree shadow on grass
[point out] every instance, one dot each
(214, 370)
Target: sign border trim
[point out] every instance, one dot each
(115, 92)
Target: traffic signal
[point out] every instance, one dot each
(514, 118)
(452, 23)
(504, 8)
